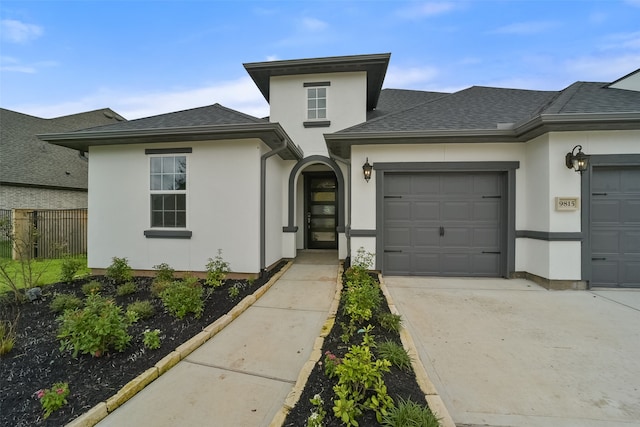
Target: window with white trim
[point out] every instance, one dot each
(168, 185)
(316, 103)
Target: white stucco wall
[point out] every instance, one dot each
(222, 206)
(276, 202)
(346, 106)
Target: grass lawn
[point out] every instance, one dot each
(46, 271)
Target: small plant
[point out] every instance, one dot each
(409, 413)
(234, 291)
(331, 362)
(119, 270)
(7, 336)
(53, 398)
(217, 270)
(142, 309)
(318, 414)
(157, 287)
(70, 267)
(390, 322)
(164, 273)
(151, 339)
(91, 288)
(126, 289)
(100, 326)
(394, 353)
(180, 298)
(62, 302)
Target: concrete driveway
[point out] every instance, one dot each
(510, 353)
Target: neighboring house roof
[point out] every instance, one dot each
(28, 161)
(485, 114)
(374, 65)
(213, 122)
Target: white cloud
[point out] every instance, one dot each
(240, 94)
(410, 77)
(602, 68)
(526, 28)
(18, 32)
(622, 41)
(426, 9)
(313, 24)
(9, 64)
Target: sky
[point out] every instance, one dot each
(147, 57)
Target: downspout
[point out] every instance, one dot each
(347, 227)
(263, 203)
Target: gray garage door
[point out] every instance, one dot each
(615, 226)
(443, 224)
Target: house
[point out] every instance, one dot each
(38, 175)
(480, 182)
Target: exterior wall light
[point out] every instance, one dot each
(577, 161)
(366, 169)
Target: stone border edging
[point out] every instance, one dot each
(100, 411)
(295, 393)
(431, 395)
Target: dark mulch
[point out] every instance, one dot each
(399, 383)
(36, 361)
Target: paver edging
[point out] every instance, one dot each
(295, 393)
(101, 410)
(432, 397)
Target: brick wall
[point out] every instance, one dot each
(40, 198)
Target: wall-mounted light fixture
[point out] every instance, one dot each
(366, 169)
(577, 161)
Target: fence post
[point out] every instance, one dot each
(22, 230)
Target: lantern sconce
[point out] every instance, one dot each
(366, 169)
(577, 161)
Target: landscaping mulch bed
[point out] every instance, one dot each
(36, 361)
(400, 384)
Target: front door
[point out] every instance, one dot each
(321, 211)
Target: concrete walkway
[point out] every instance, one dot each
(241, 376)
(510, 353)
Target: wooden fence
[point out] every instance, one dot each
(49, 233)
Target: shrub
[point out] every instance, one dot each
(217, 269)
(390, 322)
(97, 328)
(408, 413)
(180, 298)
(62, 302)
(157, 287)
(394, 353)
(361, 301)
(164, 273)
(70, 267)
(234, 291)
(7, 336)
(126, 289)
(119, 270)
(151, 339)
(142, 309)
(91, 288)
(54, 398)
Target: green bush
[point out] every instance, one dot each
(217, 270)
(410, 414)
(157, 287)
(119, 270)
(361, 301)
(151, 339)
(62, 302)
(164, 273)
(142, 309)
(394, 353)
(91, 288)
(126, 289)
(98, 327)
(70, 267)
(390, 322)
(180, 298)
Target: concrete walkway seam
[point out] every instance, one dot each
(432, 397)
(316, 354)
(100, 411)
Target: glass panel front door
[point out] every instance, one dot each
(321, 211)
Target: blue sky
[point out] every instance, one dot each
(142, 58)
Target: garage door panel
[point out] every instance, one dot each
(605, 273)
(629, 181)
(426, 264)
(605, 241)
(606, 180)
(630, 211)
(426, 237)
(425, 211)
(456, 237)
(425, 185)
(487, 210)
(398, 210)
(457, 211)
(631, 243)
(397, 237)
(605, 212)
(456, 264)
(631, 274)
(399, 262)
(400, 184)
(487, 184)
(485, 264)
(488, 238)
(456, 184)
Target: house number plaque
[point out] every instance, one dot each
(567, 203)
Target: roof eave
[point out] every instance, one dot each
(272, 134)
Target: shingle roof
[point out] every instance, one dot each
(591, 97)
(394, 100)
(26, 160)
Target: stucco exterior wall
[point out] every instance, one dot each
(346, 106)
(276, 202)
(12, 197)
(222, 207)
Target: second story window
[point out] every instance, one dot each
(316, 103)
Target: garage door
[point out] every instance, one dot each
(615, 227)
(443, 224)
